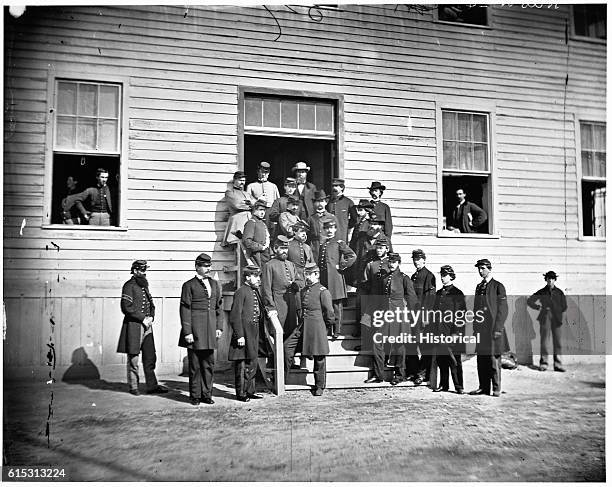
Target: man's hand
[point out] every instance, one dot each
(272, 313)
(148, 320)
(189, 339)
(86, 216)
(241, 342)
(497, 334)
(219, 333)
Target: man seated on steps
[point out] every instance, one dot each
(315, 314)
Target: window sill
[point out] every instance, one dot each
(591, 239)
(473, 26)
(97, 228)
(594, 40)
(449, 234)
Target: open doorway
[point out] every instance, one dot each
(283, 152)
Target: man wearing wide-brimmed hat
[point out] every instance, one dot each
(342, 208)
(552, 304)
(137, 330)
(201, 326)
(490, 303)
(239, 203)
(380, 209)
(305, 190)
(315, 221)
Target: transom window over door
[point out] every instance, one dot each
(466, 171)
(86, 139)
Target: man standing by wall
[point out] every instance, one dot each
(551, 303)
(137, 331)
(315, 222)
(201, 327)
(342, 208)
(467, 217)
(491, 303)
(239, 203)
(264, 189)
(99, 200)
(256, 238)
(380, 209)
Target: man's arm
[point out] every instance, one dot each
(218, 306)
(266, 288)
(479, 216)
(533, 300)
(347, 256)
(185, 310)
(236, 200)
(388, 222)
(502, 308)
(327, 307)
(409, 294)
(128, 304)
(248, 237)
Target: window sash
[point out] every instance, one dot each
(90, 122)
(465, 142)
(593, 150)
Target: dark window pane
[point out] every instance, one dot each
(289, 111)
(325, 120)
(253, 112)
(590, 20)
(271, 113)
(464, 14)
(594, 208)
(307, 116)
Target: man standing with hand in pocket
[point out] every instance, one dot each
(201, 327)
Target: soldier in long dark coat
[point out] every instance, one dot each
(299, 251)
(315, 314)
(399, 293)
(137, 331)
(256, 238)
(334, 257)
(280, 281)
(425, 287)
(201, 327)
(315, 222)
(342, 208)
(372, 291)
(491, 303)
(380, 209)
(246, 318)
(450, 301)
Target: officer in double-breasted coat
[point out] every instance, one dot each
(315, 312)
(201, 327)
(335, 256)
(246, 318)
(137, 331)
(299, 252)
(490, 313)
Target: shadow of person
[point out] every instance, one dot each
(576, 334)
(81, 368)
(524, 331)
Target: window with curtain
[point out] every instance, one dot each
(466, 172)
(593, 184)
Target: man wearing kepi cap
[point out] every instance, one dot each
(315, 222)
(245, 320)
(137, 331)
(299, 251)
(491, 303)
(256, 238)
(201, 327)
(262, 188)
(315, 312)
(551, 303)
(342, 208)
(335, 256)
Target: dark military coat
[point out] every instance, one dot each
(334, 257)
(494, 307)
(300, 254)
(382, 210)
(372, 285)
(315, 232)
(424, 283)
(450, 299)
(398, 292)
(136, 304)
(201, 314)
(306, 198)
(245, 319)
(366, 252)
(277, 276)
(316, 314)
(550, 300)
(254, 237)
(341, 208)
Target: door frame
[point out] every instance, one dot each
(337, 98)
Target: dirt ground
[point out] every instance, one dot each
(547, 426)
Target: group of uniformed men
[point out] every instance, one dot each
(300, 265)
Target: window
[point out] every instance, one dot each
(593, 184)
(289, 116)
(590, 21)
(87, 136)
(464, 14)
(466, 171)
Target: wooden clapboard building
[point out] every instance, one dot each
(506, 102)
